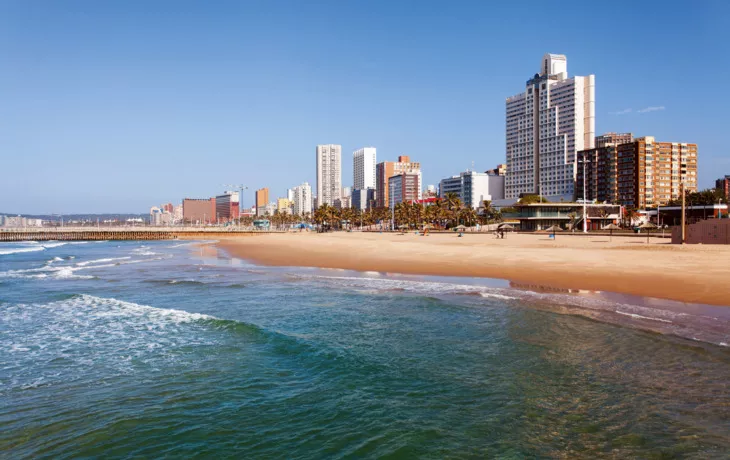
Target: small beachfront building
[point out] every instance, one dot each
(539, 216)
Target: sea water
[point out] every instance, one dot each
(173, 349)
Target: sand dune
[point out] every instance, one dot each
(691, 273)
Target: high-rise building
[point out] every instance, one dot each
(601, 168)
(159, 216)
(546, 125)
(387, 169)
(404, 187)
(601, 171)
(302, 199)
(227, 207)
(284, 206)
(723, 185)
(363, 168)
(344, 202)
(363, 199)
(329, 173)
(473, 188)
(500, 170)
(613, 139)
(262, 199)
(640, 174)
(198, 211)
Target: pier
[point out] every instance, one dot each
(103, 234)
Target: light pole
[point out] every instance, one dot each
(585, 206)
(392, 211)
(719, 210)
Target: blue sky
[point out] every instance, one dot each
(118, 106)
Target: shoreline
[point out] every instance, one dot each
(690, 274)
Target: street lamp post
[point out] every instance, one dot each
(719, 210)
(392, 211)
(585, 206)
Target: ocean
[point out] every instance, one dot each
(172, 349)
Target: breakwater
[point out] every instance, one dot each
(96, 234)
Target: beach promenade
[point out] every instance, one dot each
(691, 273)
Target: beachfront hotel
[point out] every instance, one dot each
(474, 187)
(197, 210)
(329, 174)
(301, 197)
(545, 126)
(639, 174)
(227, 206)
(262, 199)
(405, 187)
(387, 169)
(363, 168)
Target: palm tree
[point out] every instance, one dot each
(469, 216)
(630, 216)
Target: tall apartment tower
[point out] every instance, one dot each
(387, 169)
(301, 198)
(262, 199)
(723, 185)
(613, 139)
(363, 168)
(546, 125)
(650, 172)
(329, 174)
(639, 174)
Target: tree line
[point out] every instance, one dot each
(446, 212)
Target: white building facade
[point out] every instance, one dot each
(302, 199)
(473, 188)
(363, 168)
(329, 173)
(545, 127)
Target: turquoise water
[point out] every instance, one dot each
(170, 350)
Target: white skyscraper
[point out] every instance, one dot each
(363, 168)
(301, 199)
(329, 174)
(546, 125)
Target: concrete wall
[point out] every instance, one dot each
(710, 231)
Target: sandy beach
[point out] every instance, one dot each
(692, 273)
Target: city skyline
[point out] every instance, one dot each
(88, 115)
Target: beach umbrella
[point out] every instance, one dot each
(611, 227)
(506, 226)
(553, 229)
(648, 226)
(460, 227)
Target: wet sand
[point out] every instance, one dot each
(691, 273)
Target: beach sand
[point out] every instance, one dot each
(691, 273)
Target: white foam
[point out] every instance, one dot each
(112, 308)
(496, 296)
(53, 245)
(89, 332)
(95, 261)
(20, 250)
(425, 287)
(634, 315)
